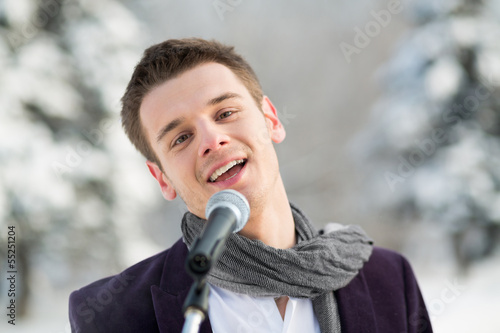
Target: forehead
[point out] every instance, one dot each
(189, 92)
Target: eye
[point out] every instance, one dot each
(225, 114)
(181, 139)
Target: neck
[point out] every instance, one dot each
(272, 221)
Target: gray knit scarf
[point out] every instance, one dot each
(320, 263)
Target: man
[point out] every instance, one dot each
(196, 111)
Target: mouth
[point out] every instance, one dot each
(227, 171)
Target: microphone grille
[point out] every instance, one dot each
(232, 197)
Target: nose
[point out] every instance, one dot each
(212, 139)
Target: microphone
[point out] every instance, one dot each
(227, 211)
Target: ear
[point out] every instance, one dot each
(167, 189)
(276, 129)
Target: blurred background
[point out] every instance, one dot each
(392, 111)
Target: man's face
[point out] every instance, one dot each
(209, 135)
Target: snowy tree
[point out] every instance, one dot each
(63, 169)
(432, 148)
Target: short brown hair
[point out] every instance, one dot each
(165, 61)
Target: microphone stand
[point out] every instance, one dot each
(207, 248)
(201, 257)
(196, 306)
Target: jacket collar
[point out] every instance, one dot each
(169, 296)
(354, 302)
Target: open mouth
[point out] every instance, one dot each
(227, 171)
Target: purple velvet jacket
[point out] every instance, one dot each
(148, 297)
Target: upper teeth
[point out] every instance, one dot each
(223, 169)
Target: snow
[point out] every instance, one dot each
(443, 78)
(18, 10)
(489, 66)
(462, 304)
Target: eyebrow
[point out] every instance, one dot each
(169, 127)
(176, 122)
(222, 98)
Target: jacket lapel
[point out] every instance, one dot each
(355, 306)
(168, 298)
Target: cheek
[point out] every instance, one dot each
(184, 167)
(254, 130)
(261, 134)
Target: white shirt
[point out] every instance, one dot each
(230, 312)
